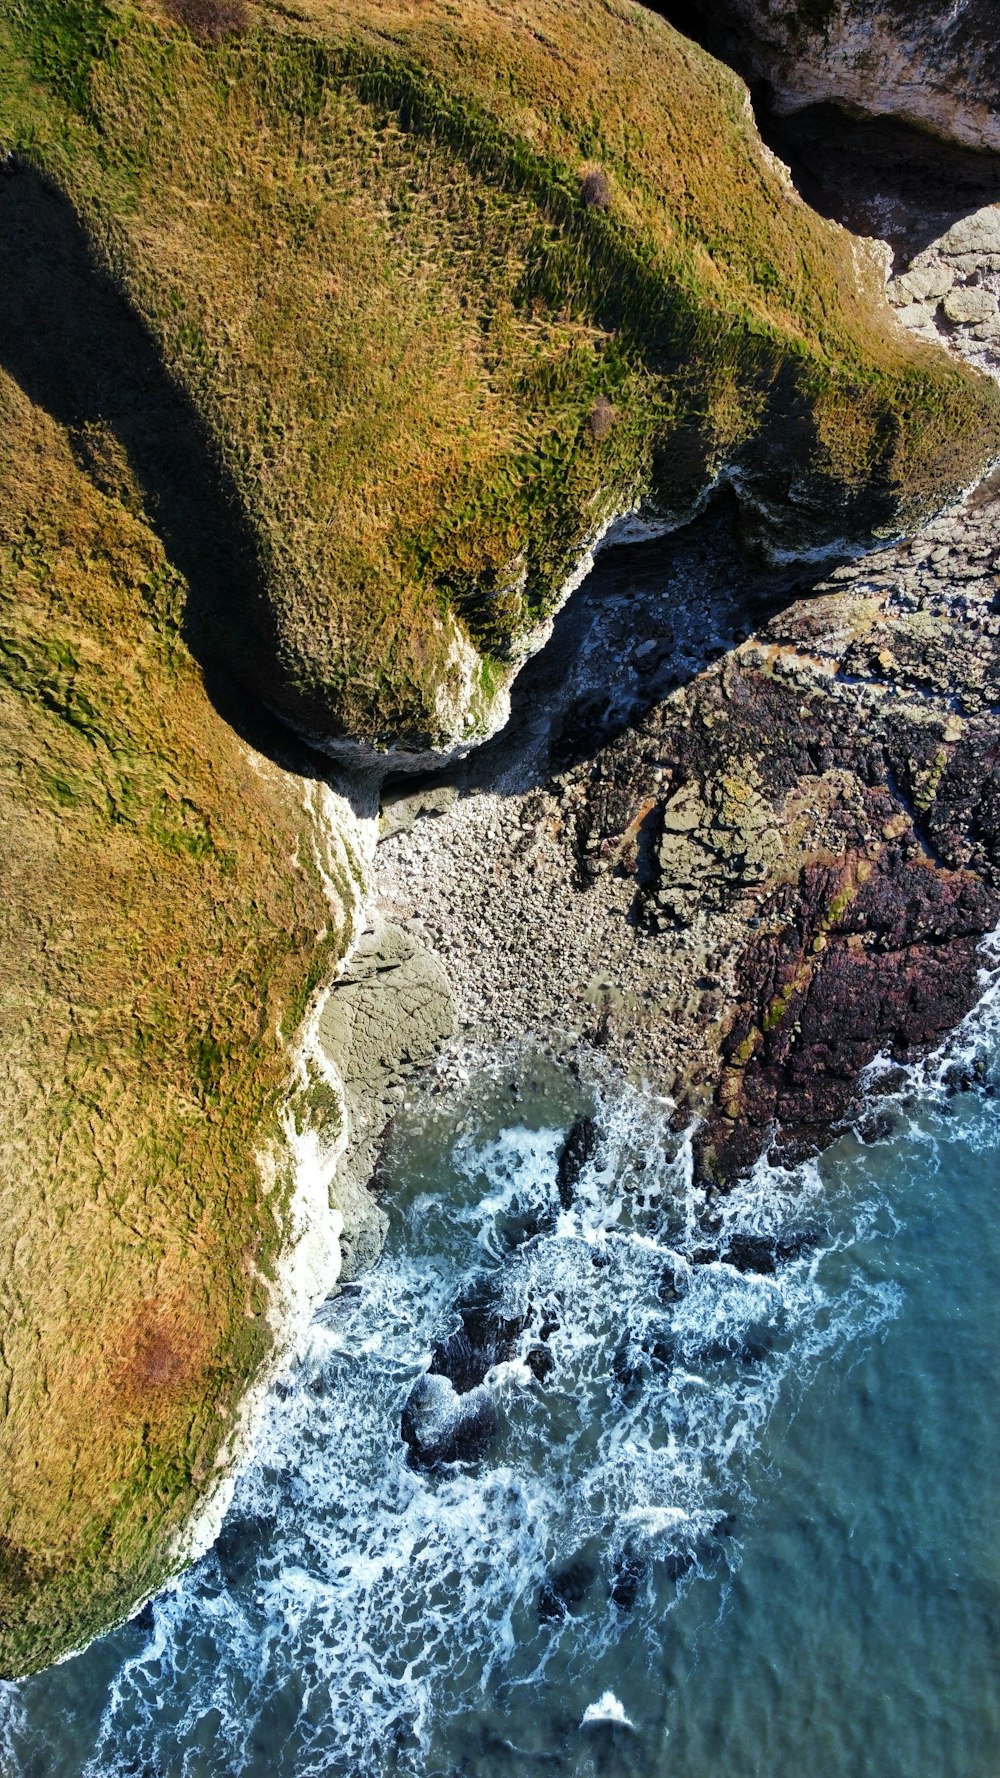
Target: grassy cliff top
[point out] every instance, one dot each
(163, 922)
(449, 286)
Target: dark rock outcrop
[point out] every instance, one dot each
(578, 1150)
(438, 1426)
(825, 802)
(450, 1415)
(565, 1590)
(485, 1336)
(867, 956)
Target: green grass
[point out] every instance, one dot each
(358, 239)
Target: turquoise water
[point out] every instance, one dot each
(740, 1521)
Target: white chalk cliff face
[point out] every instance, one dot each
(935, 63)
(950, 293)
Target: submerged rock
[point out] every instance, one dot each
(756, 1253)
(581, 1146)
(629, 1581)
(451, 1415)
(240, 1544)
(679, 1564)
(565, 1590)
(440, 1427)
(635, 1360)
(486, 1337)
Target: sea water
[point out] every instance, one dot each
(740, 1521)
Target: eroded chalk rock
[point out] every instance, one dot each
(937, 66)
(951, 289)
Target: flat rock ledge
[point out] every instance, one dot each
(386, 1016)
(781, 869)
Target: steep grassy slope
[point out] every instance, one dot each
(362, 238)
(162, 922)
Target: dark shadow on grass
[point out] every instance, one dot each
(79, 352)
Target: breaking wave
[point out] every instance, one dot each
(369, 1599)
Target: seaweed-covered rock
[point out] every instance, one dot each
(582, 1144)
(874, 954)
(440, 1426)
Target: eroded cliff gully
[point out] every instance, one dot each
(936, 66)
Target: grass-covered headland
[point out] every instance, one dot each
(330, 332)
(447, 286)
(163, 923)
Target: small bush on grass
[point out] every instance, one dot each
(600, 419)
(210, 20)
(595, 190)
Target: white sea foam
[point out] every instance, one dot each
(608, 1708)
(356, 1616)
(353, 1606)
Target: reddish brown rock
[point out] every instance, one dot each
(863, 957)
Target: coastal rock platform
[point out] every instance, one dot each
(770, 875)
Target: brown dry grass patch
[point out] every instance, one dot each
(211, 20)
(164, 1349)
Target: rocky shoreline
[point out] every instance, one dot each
(740, 835)
(741, 831)
(766, 877)
(386, 1014)
(318, 383)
